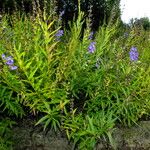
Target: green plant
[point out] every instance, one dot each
(86, 130)
(6, 134)
(34, 82)
(85, 86)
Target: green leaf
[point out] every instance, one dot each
(42, 120)
(47, 123)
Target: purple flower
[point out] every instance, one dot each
(13, 67)
(59, 33)
(9, 60)
(91, 35)
(133, 54)
(61, 13)
(92, 47)
(3, 56)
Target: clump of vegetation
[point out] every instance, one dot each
(85, 86)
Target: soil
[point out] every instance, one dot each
(28, 137)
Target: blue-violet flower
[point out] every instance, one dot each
(61, 13)
(13, 67)
(134, 55)
(92, 47)
(9, 61)
(59, 33)
(3, 56)
(91, 35)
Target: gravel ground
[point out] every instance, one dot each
(28, 137)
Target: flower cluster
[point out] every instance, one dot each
(9, 61)
(59, 34)
(134, 55)
(61, 15)
(91, 35)
(92, 47)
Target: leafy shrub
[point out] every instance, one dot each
(85, 86)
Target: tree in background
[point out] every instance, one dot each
(97, 10)
(142, 23)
